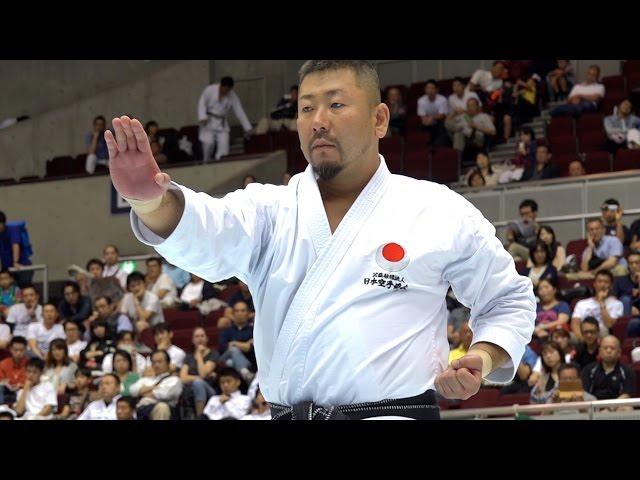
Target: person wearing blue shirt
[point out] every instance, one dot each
(236, 342)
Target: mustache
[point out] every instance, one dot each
(323, 136)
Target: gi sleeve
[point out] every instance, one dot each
(169, 389)
(238, 406)
(202, 105)
(239, 112)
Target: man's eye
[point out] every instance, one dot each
(306, 109)
(337, 105)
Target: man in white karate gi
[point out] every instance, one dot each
(213, 108)
(348, 264)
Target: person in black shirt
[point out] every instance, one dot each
(587, 350)
(612, 220)
(198, 371)
(74, 307)
(627, 289)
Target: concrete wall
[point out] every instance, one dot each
(69, 221)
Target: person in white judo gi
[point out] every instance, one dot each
(348, 264)
(213, 108)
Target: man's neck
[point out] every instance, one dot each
(17, 362)
(432, 98)
(608, 366)
(48, 326)
(240, 327)
(350, 182)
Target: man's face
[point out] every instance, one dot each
(124, 411)
(527, 213)
(71, 331)
(33, 374)
(108, 387)
(576, 169)
(625, 107)
(568, 374)
(153, 130)
(162, 337)
(589, 333)
(542, 155)
(472, 107)
(5, 280)
(609, 350)
(634, 264)
(99, 125)
(137, 287)
(592, 75)
(159, 363)
(240, 314)
(596, 230)
(229, 384)
(336, 122)
(103, 308)
(82, 381)
(71, 295)
(609, 215)
(154, 269)
(224, 90)
(30, 297)
(497, 70)
(393, 96)
(49, 314)
(199, 337)
(110, 256)
(95, 270)
(17, 351)
(431, 90)
(458, 88)
(602, 283)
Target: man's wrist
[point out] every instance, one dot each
(487, 360)
(144, 206)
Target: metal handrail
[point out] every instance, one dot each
(45, 277)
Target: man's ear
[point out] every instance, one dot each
(382, 119)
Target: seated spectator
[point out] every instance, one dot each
(10, 293)
(612, 221)
(37, 400)
(260, 409)
(546, 385)
(77, 398)
(547, 235)
(576, 169)
(466, 336)
(570, 372)
(236, 342)
(198, 371)
(59, 370)
(432, 110)
(542, 267)
(160, 284)
(243, 295)
(561, 337)
(476, 179)
(123, 369)
(179, 277)
(97, 152)
(21, 315)
(13, 370)
(459, 98)
(551, 312)
(543, 168)
(472, 128)
(126, 408)
(152, 128)
(125, 342)
(486, 83)
(525, 157)
(458, 316)
(584, 97)
(607, 378)
(72, 337)
(604, 252)
(619, 124)
(74, 306)
(115, 321)
(99, 346)
(524, 106)
(156, 151)
(587, 347)
(286, 176)
(603, 306)
(98, 285)
(160, 392)
(284, 116)
(40, 335)
(140, 305)
(483, 166)
(111, 265)
(231, 404)
(397, 111)
(191, 295)
(627, 289)
(522, 234)
(521, 382)
(105, 408)
(163, 337)
(560, 80)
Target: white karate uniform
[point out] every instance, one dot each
(324, 331)
(217, 129)
(99, 410)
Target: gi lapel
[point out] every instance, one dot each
(331, 250)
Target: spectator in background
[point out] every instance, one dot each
(587, 347)
(13, 370)
(603, 252)
(37, 400)
(126, 408)
(140, 305)
(99, 346)
(123, 369)
(152, 128)
(485, 83)
(101, 286)
(126, 344)
(243, 295)
(457, 316)
(603, 306)
(160, 284)
(236, 342)
(160, 392)
(115, 322)
(213, 107)
(551, 312)
(163, 337)
(472, 128)
(570, 372)
(522, 234)
(59, 369)
(191, 295)
(198, 371)
(397, 111)
(432, 110)
(156, 151)
(608, 378)
(179, 277)
(525, 158)
(111, 267)
(560, 80)
(524, 106)
(466, 336)
(552, 358)
(40, 335)
(584, 97)
(618, 125)
(10, 293)
(627, 289)
(75, 344)
(476, 179)
(78, 397)
(260, 409)
(547, 235)
(483, 166)
(459, 98)
(543, 168)
(97, 152)
(12, 253)
(231, 404)
(561, 337)
(612, 221)
(286, 176)
(74, 306)
(247, 180)
(284, 116)
(105, 408)
(576, 169)
(542, 268)
(21, 315)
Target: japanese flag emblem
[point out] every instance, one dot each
(392, 257)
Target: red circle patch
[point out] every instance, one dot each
(392, 252)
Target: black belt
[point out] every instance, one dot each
(420, 407)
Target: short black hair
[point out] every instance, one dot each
(590, 320)
(72, 284)
(129, 401)
(6, 271)
(544, 145)
(460, 79)
(161, 327)
(569, 366)
(595, 219)
(227, 82)
(85, 372)
(611, 201)
(150, 123)
(36, 363)
(529, 203)
(133, 277)
(154, 259)
(95, 261)
(111, 375)
(121, 334)
(32, 286)
(99, 117)
(606, 273)
(529, 131)
(106, 297)
(18, 339)
(431, 81)
(229, 372)
(163, 352)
